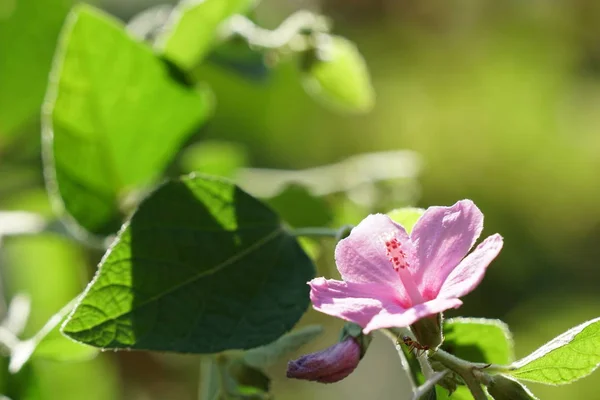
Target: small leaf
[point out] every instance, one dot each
(201, 267)
(337, 75)
(407, 217)
(478, 340)
(300, 208)
(265, 356)
(566, 358)
(113, 118)
(505, 388)
(191, 31)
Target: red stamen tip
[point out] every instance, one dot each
(395, 254)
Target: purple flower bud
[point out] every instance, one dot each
(327, 366)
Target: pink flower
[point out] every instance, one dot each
(327, 366)
(392, 279)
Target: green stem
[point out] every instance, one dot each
(318, 232)
(393, 334)
(462, 368)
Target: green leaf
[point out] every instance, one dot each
(191, 31)
(566, 358)
(28, 33)
(505, 388)
(478, 340)
(338, 76)
(113, 118)
(300, 208)
(201, 267)
(407, 217)
(215, 158)
(265, 356)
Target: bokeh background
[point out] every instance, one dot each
(499, 100)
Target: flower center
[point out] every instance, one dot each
(397, 256)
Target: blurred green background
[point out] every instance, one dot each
(501, 100)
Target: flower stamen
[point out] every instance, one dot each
(397, 256)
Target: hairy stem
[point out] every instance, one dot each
(464, 369)
(241, 26)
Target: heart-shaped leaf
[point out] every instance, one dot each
(114, 117)
(201, 267)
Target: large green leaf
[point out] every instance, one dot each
(113, 118)
(28, 32)
(566, 358)
(201, 267)
(192, 29)
(478, 340)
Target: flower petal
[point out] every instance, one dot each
(441, 238)
(354, 302)
(369, 305)
(389, 317)
(467, 275)
(362, 256)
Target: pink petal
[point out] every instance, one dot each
(467, 275)
(369, 305)
(362, 256)
(388, 317)
(442, 237)
(354, 302)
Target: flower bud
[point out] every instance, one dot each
(428, 331)
(327, 366)
(504, 388)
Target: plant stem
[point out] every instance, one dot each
(302, 20)
(393, 334)
(462, 368)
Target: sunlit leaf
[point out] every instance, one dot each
(566, 358)
(192, 29)
(109, 129)
(478, 340)
(201, 267)
(27, 39)
(337, 75)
